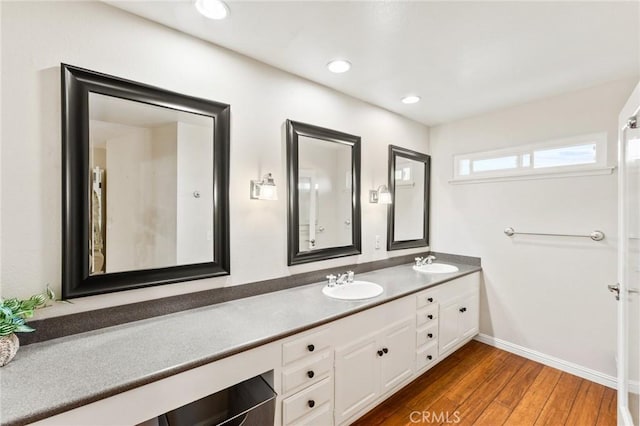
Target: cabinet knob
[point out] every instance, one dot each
(463, 310)
(310, 374)
(311, 403)
(385, 350)
(430, 335)
(311, 348)
(430, 299)
(430, 316)
(429, 357)
(380, 353)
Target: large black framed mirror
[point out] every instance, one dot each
(144, 185)
(408, 214)
(323, 175)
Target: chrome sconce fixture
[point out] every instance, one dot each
(264, 189)
(380, 195)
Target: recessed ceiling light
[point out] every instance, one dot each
(212, 9)
(411, 99)
(339, 66)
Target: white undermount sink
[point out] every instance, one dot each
(356, 290)
(436, 268)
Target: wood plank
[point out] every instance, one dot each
(494, 415)
(587, 404)
(559, 403)
(471, 409)
(607, 415)
(482, 385)
(534, 399)
(466, 367)
(512, 393)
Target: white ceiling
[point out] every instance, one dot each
(462, 58)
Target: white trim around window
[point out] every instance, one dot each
(573, 156)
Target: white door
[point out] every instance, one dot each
(449, 330)
(357, 377)
(629, 263)
(399, 348)
(469, 320)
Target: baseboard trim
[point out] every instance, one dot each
(551, 361)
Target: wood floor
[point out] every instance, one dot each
(482, 385)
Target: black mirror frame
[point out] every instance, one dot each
(76, 279)
(295, 256)
(396, 151)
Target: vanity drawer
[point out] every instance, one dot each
(426, 356)
(308, 373)
(307, 401)
(427, 315)
(427, 298)
(309, 344)
(427, 335)
(321, 416)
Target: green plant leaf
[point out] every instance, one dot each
(24, 329)
(6, 329)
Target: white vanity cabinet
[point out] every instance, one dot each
(459, 308)
(427, 331)
(331, 374)
(307, 378)
(371, 367)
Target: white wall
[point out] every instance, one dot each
(547, 294)
(38, 36)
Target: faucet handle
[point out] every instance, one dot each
(332, 280)
(350, 276)
(418, 260)
(430, 258)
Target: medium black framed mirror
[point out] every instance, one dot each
(144, 185)
(408, 214)
(323, 175)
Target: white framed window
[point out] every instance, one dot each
(568, 156)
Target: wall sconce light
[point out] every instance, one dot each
(380, 195)
(264, 189)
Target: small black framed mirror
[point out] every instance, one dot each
(323, 175)
(145, 185)
(408, 214)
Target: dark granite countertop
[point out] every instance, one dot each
(51, 377)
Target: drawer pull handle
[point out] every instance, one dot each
(463, 310)
(385, 350)
(430, 299)
(310, 374)
(430, 335)
(429, 357)
(430, 316)
(380, 353)
(311, 348)
(311, 403)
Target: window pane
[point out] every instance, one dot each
(499, 163)
(565, 156)
(526, 160)
(465, 167)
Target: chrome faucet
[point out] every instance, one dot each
(346, 278)
(331, 280)
(420, 261)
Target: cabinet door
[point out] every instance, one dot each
(469, 316)
(399, 345)
(449, 335)
(357, 377)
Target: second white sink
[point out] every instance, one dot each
(356, 290)
(436, 268)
